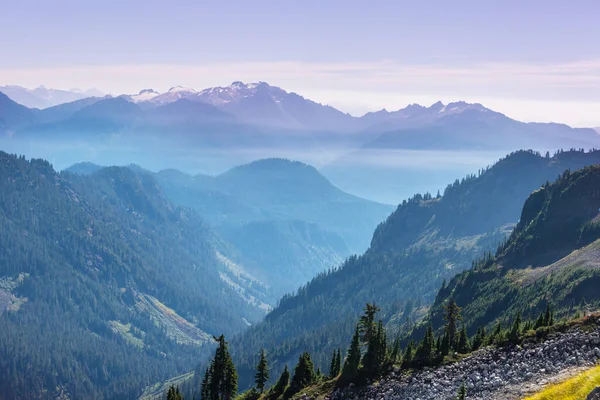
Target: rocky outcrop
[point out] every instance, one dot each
(594, 395)
(507, 373)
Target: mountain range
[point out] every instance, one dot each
(385, 156)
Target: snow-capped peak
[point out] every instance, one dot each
(144, 95)
(177, 89)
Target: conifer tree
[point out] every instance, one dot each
(338, 362)
(282, 382)
(462, 345)
(367, 323)
(350, 371)
(479, 339)
(174, 394)
(262, 372)
(539, 322)
(205, 387)
(395, 350)
(382, 346)
(452, 316)
(332, 373)
(375, 356)
(515, 331)
(223, 382)
(445, 345)
(304, 375)
(462, 392)
(497, 335)
(424, 353)
(407, 359)
(547, 315)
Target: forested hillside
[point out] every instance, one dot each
(551, 258)
(105, 286)
(426, 240)
(286, 220)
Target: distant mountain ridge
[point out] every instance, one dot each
(215, 129)
(42, 97)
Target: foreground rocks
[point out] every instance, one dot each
(508, 373)
(594, 395)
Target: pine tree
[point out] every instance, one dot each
(452, 316)
(462, 345)
(395, 350)
(462, 392)
(332, 365)
(223, 376)
(338, 362)
(479, 339)
(547, 315)
(445, 345)
(205, 387)
(424, 353)
(539, 322)
(375, 356)
(382, 346)
(304, 375)
(367, 323)
(282, 382)
(497, 335)
(350, 371)
(262, 372)
(515, 331)
(174, 394)
(407, 359)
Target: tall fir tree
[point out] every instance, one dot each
(282, 382)
(304, 375)
(462, 344)
(515, 331)
(452, 316)
(262, 372)
(407, 359)
(332, 365)
(367, 323)
(338, 362)
(350, 371)
(223, 382)
(425, 352)
(205, 387)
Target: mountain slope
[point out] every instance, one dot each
(285, 218)
(423, 242)
(100, 274)
(552, 256)
(14, 116)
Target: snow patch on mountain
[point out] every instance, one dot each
(144, 95)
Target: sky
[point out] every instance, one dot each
(532, 60)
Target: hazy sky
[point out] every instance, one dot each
(533, 60)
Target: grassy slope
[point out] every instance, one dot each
(576, 388)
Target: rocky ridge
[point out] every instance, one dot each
(490, 373)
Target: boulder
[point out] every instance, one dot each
(594, 395)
